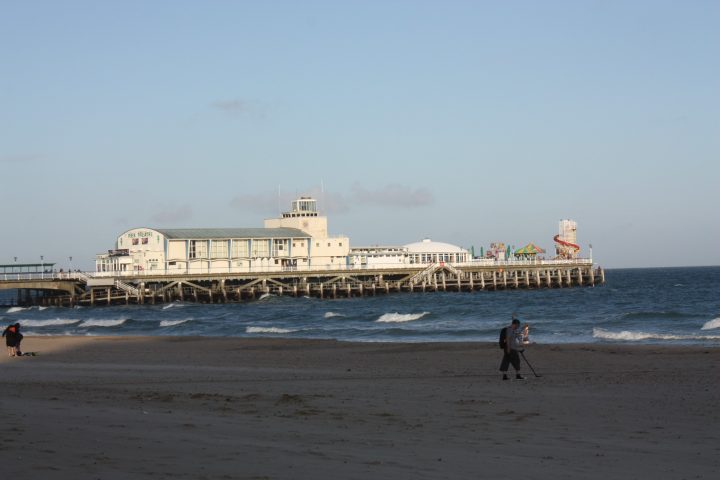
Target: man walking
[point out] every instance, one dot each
(513, 344)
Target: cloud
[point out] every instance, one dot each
(263, 203)
(389, 196)
(173, 215)
(231, 107)
(23, 158)
(393, 195)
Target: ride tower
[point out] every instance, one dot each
(566, 246)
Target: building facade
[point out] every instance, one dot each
(297, 240)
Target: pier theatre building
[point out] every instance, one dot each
(297, 240)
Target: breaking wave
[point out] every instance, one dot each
(638, 336)
(268, 330)
(712, 324)
(172, 323)
(49, 323)
(332, 315)
(400, 317)
(103, 323)
(16, 309)
(173, 305)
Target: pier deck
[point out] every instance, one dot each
(69, 289)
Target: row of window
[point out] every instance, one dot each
(240, 248)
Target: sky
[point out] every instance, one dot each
(467, 122)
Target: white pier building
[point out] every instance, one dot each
(297, 240)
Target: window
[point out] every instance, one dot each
(261, 248)
(340, 244)
(219, 248)
(240, 248)
(198, 249)
(328, 244)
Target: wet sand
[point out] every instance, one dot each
(196, 408)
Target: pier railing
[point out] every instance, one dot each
(489, 263)
(215, 270)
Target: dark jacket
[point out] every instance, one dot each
(12, 336)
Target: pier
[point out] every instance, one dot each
(67, 289)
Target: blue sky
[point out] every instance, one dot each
(466, 122)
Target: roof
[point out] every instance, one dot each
(228, 233)
(428, 246)
(529, 249)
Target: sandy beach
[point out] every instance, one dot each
(196, 408)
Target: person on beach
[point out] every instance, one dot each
(13, 337)
(511, 350)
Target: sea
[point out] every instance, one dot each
(664, 306)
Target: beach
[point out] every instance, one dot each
(200, 407)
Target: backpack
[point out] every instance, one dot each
(503, 338)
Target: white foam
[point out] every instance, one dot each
(172, 323)
(173, 305)
(16, 309)
(712, 324)
(332, 315)
(400, 317)
(268, 330)
(49, 323)
(264, 296)
(627, 335)
(103, 323)
(42, 308)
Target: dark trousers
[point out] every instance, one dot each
(510, 358)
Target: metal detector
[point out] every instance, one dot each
(522, 352)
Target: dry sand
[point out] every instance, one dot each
(129, 408)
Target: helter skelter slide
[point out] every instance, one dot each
(565, 241)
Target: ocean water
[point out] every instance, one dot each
(643, 306)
